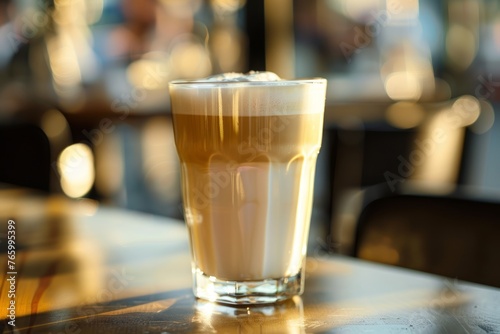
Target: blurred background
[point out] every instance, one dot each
(412, 103)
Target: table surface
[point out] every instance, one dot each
(84, 268)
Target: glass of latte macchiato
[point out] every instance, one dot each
(247, 146)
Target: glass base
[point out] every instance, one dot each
(246, 292)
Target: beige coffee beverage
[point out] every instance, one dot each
(248, 146)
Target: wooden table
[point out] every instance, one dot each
(82, 268)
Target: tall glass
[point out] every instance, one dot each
(248, 155)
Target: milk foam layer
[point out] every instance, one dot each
(253, 94)
(240, 77)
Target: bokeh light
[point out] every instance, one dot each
(54, 124)
(467, 108)
(485, 120)
(403, 86)
(76, 169)
(405, 115)
(460, 46)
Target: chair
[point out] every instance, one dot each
(454, 235)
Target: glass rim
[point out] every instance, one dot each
(258, 83)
